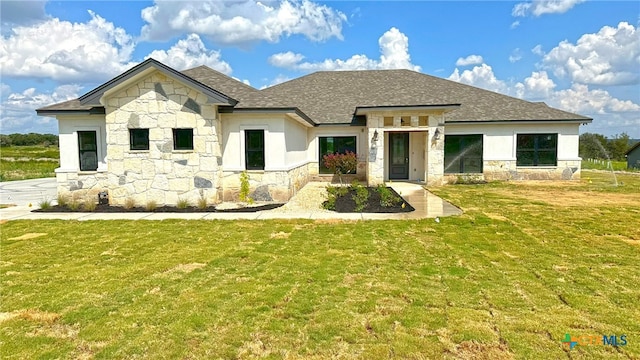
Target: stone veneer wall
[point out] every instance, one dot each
(277, 186)
(162, 174)
(81, 186)
(507, 170)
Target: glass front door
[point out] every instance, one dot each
(398, 156)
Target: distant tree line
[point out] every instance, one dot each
(29, 139)
(596, 146)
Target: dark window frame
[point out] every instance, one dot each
(254, 149)
(87, 148)
(531, 147)
(182, 144)
(462, 155)
(323, 170)
(134, 139)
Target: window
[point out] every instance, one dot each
(254, 149)
(537, 150)
(335, 145)
(139, 139)
(88, 150)
(462, 154)
(182, 139)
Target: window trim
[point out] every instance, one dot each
(463, 157)
(175, 142)
(320, 154)
(246, 133)
(536, 150)
(131, 131)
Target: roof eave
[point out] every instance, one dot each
(98, 110)
(268, 110)
(537, 121)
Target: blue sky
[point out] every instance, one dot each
(579, 56)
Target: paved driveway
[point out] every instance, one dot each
(32, 191)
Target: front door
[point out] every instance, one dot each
(398, 156)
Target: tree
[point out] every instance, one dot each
(593, 146)
(340, 164)
(617, 146)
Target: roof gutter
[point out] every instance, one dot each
(98, 110)
(269, 110)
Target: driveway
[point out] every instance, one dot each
(25, 192)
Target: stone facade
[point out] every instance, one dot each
(162, 174)
(278, 186)
(507, 170)
(81, 186)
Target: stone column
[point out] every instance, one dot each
(435, 150)
(375, 156)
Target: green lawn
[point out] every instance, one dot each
(28, 162)
(603, 165)
(527, 263)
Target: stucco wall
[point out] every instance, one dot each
(68, 127)
(499, 150)
(331, 130)
(161, 173)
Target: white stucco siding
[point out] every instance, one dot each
(335, 130)
(499, 140)
(68, 127)
(233, 152)
(295, 143)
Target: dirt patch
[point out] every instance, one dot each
(185, 268)
(30, 314)
(161, 209)
(280, 235)
(475, 350)
(28, 236)
(57, 331)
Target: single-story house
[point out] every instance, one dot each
(155, 133)
(633, 156)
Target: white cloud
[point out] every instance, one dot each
(515, 24)
(470, 60)
(65, 51)
(541, 7)
(480, 76)
(579, 98)
(240, 22)
(538, 50)
(538, 85)
(278, 80)
(394, 54)
(609, 57)
(189, 53)
(516, 55)
(17, 113)
(286, 59)
(15, 13)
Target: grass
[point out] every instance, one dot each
(525, 264)
(603, 165)
(28, 162)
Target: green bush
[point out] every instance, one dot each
(45, 204)
(182, 204)
(333, 193)
(387, 197)
(361, 196)
(244, 188)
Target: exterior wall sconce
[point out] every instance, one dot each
(375, 136)
(436, 135)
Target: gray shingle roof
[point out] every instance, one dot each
(332, 97)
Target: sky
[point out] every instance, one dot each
(575, 55)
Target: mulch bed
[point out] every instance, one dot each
(346, 204)
(160, 209)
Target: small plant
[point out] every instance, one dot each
(387, 197)
(361, 196)
(340, 164)
(74, 205)
(129, 203)
(151, 205)
(202, 203)
(89, 205)
(333, 193)
(182, 204)
(45, 204)
(244, 188)
(63, 200)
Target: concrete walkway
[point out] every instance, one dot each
(305, 205)
(25, 192)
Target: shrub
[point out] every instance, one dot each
(361, 196)
(63, 200)
(89, 205)
(182, 203)
(202, 203)
(333, 193)
(340, 164)
(74, 205)
(45, 204)
(244, 188)
(129, 203)
(387, 197)
(151, 205)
